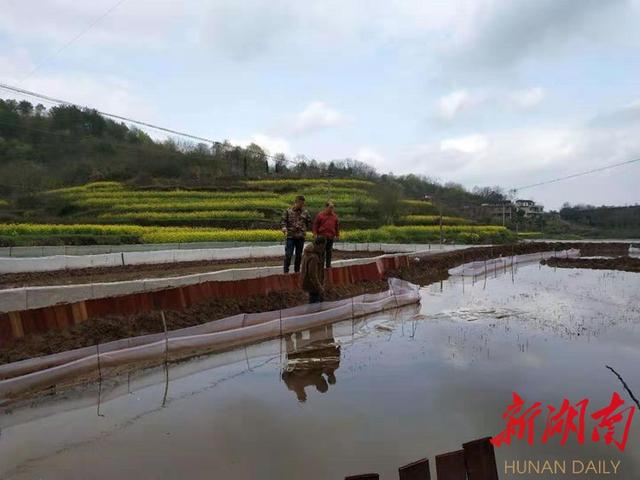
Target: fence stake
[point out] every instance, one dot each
(99, 377)
(166, 358)
(418, 470)
(450, 466)
(480, 459)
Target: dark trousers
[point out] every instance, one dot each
(315, 297)
(328, 250)
(293, 244)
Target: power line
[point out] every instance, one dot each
(171, 131)
(586, 172)
(77, 37)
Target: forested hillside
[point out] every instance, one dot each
(69, 175)
(43, 149)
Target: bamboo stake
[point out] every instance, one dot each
(166, 358)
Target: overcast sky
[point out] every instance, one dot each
(480, 92)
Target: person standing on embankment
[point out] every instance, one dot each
(327, 225)
(312, 272)
(295, 223)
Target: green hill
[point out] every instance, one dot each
(72, 176)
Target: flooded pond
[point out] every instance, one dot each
(368, 395)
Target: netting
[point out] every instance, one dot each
(27, 298)
(221, 334)
(178, 376)
(45, 259)
(83, 250)
(86, 250)
(66, 261)
(482, 267)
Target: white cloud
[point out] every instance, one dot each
(517, 157)
(57, 22)
(109, 93)
(371, 157)
(15, 64)
(316, 116)
(627, 115)
(472, 144)
(290, 48)
(269, 143)
(528, 98)
(501, 156)
(502, 33)
(450, 105)
(453, 105)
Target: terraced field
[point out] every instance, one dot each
(111, 212)
(261, 202)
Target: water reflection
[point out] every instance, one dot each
(313, 356)
(410, 386)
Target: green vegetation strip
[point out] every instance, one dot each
(391, 234)
(432, 220)
(150, 216)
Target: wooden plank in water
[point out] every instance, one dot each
(418, 470)
(480, 458)
(451, 466)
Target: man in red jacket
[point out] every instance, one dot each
(327, 225)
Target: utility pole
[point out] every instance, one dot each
(434, 198)
(441, 235)
(511, 197)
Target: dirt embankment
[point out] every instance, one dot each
(422, 271)
(624, 264)
(136, 272)
(615, 249)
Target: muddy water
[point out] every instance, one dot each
(357, 397)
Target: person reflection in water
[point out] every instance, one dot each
(311, 362)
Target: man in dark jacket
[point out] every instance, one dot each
(295, 223)
(327, 225)
(312, 272)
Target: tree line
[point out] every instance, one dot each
(43, 148)
(603, 217)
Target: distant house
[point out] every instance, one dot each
(505, 211)
(529, 207)
(500, 212)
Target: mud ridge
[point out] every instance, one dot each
(156, 270)
(623, 264)
(422, 271)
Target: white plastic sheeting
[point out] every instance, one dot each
(51, 250)
(503, 263)
(217, 335)
(26, 298)
(85, 250)
(149, 383)
(63, 262)
(70, 262)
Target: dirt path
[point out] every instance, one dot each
(158, 270)
(423, 272)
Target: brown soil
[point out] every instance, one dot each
(591, 249)
(114, 327)
(624, 264)
(136, 272)
(424, 271)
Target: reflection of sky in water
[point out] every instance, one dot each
(406, 385)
